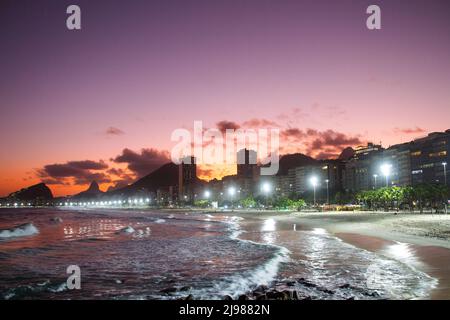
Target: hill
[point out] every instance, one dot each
(38, 191)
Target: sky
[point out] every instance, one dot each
(101, 103)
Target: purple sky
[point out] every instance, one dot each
(149, 67)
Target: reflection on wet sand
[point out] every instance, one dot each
(435, 261)
(326, 261)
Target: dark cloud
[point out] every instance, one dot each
(320, 144)
(292, 134)
(251, 123)
(77, 172)
(224, 125)
(52, 181)
(259, 123)
(88, 177)
(88, 165)
(143, 162)
(116, 172)
(335, 139)
(113, 131)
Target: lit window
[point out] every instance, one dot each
(438, 154)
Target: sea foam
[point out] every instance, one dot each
(22, 230)
(128, 229)
(241, 283)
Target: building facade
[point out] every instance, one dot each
(429, 158)
(361, 171)
(247, 167)
(187, 176)
(423, 160)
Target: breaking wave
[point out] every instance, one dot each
(27, 229)
(246, 281)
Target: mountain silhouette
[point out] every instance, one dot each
(91, 193)
(38, 191)
(164, 176)
(290, 161)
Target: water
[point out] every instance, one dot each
(130, 254)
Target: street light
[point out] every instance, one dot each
(328, 191)
(444, 164)
(375, 176)
(266, 188)
(445, 172)
(207, 194)
(231, 192)
(314, 181)
(386, 171)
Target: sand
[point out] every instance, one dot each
(419, 229)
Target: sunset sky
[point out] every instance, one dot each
(101, 103)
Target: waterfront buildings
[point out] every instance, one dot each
(429, 158)
(327, 173)
(422, 160)
(372, 166)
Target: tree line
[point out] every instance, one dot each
(432, 196)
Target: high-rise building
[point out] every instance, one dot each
(300, 177)
(284, 186)
(328, 173)
(424, 160)
(361, 171)
(429, 156)
(333, 171)
(187, 176)
(398, 157)
(247, 164)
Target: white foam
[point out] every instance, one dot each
(60, 288)
(23, 230)
(128, 229)
(160, 220)
(262, 275)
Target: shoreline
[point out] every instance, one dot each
(410, 238)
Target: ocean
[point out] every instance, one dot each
(151, 254)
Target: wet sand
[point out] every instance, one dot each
(436, 260)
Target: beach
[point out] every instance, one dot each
(418, 240)
(204, 254)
